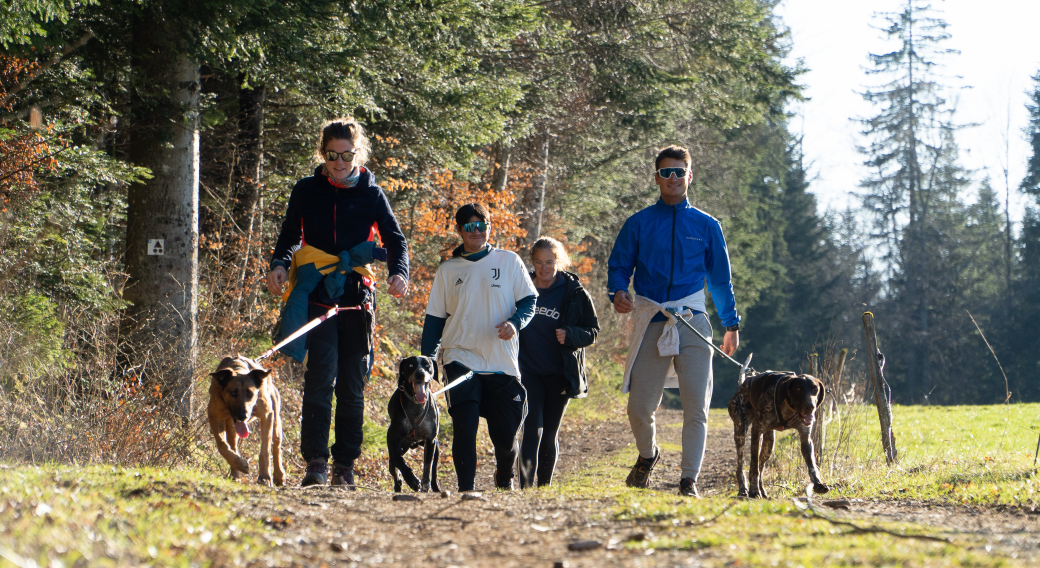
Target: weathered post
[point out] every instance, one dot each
(818, 434)
(882, 393)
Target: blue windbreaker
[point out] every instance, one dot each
(671, 249)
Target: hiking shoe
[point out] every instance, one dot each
(506, 485)
(317, 473)
(343, 475)
(688, 487)
(640, 474)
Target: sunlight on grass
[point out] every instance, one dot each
(61, 515)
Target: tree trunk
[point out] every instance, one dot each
(248, 173)
(500, 167)
(534, 196)
(159, 331)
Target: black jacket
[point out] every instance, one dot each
(578, 319)
(334, 220)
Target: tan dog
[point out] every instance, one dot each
(239, 390)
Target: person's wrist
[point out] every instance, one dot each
(733, 327)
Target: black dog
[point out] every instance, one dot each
(774, 401)
(414, 421)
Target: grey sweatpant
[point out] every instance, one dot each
(693, 365)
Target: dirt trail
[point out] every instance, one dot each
(340, 528)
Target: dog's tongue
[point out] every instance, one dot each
(242, 428)
(420, 395)
(807, 420)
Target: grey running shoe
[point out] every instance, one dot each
(317, 473)
(343, 475)
(688, 487)
(640, 474)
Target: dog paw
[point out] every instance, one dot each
(820, 488)
(240, 464)
(264, 480)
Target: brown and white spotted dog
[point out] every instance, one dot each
(774, 401)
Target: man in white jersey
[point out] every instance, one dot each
(481, 298)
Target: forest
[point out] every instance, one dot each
(125, 121)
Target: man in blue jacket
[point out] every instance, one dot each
(671, 248)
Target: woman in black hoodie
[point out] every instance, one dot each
(336, 209)
(552, 357)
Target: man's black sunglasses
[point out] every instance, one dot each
(332, 156)
(475, 226)
(669, 172)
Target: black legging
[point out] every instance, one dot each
(465, 417)
(546, 404)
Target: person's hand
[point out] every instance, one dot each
(276, 280)
(506, 331)
(397, 286)
(622, 302)
(730, 342)
(561, 335)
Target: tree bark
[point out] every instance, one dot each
(159, 331)
(882, 393)
(500, 167)
(534, 196)
(248, 173)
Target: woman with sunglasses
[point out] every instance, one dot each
(335, 210)
(481, 298)
(552, 357)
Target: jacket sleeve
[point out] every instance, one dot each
(622, 259)
(291, 236)
(393, 238)
(584, 335)
(720, 283)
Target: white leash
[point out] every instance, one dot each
(454, 383)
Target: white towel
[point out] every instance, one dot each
(643, 311)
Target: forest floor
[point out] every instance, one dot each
(66, 516)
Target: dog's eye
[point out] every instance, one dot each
(233, 393)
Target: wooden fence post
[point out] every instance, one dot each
(882, 393)
(818, 434)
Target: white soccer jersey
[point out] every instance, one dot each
(475, 296)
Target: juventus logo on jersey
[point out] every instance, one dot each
(496, 272)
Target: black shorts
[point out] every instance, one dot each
(501, 397)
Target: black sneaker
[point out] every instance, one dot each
(640, 474)
(317, 473)
(688, 487)
(343, 475)
(506, 485)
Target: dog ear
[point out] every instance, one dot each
(782, 388)
(822, 394)
(222, 376)
(400, 366)
(259, 376)
(436, 369)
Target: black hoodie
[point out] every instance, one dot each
(337, 219)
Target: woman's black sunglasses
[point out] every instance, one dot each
(669, 172)
(332, 156)
(475, 226)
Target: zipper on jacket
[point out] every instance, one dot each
(671, 271)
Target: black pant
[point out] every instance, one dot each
(546, 403)
(502, 401)
(337, 360)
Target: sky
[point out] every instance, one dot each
(999, 52)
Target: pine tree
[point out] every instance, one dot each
(912, 152)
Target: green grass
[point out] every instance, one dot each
(98, 515)
(951, 455)
(969, 455)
